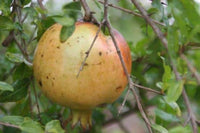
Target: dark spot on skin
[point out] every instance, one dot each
(42, 55)
(68, 43)
(58, 47)
(118, 89)
(86, 64)
(40, 83)
(77, 41)
(62, 94)
(47, 77)
(52, 83)
(99, 63)
(100, 53)
(50, 40)
(53, 78)
(102, 105)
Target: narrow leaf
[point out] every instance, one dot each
(16, 58)
(30, 126)
(5, 87)
(159, 128)
(174, 91)
(166, 116)
(54, 127)
(6, 23)
(20, 91)
(66, 32)
(65, 21)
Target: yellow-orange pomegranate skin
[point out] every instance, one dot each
(102, 79)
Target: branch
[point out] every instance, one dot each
(124, 67)
(131, 12)
(9, 125)
(88, 52)
(88, 14)
(41, 4)
(148, 89)
(165, 44)
(191, 68)
(36, 100)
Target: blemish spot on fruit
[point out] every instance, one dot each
(47, 77)
(42, 55)
(77, 41)
(86, 64)
(40, 83)
(58, 47)
(100, 53)
(53, 78)
(52, 83)
(101, 105)
(50, 40)
(118, 89)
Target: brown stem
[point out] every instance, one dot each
(147, 89)
(36, 99)
(41, 4)
(86, 8)
(165, 44)
(191, 68)
(89, 17)
(110, 29)
(9, 125)
(89, 50)
(130, 12)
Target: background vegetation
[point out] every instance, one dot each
(170, 74)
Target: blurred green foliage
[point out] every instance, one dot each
(20, 95)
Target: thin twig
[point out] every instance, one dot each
(36, 99)
(148, 89)
(123, 103)
(89, 50)
(130, 86)
(25, 54)
(191, 68)
(130, 12)
(165, 44)
(9, 125)
(88, 13)
(41, 4)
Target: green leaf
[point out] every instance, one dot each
(181, 129)
(173, 41)
(14, 57)
(20, 91)
(30, 126)
(167, 76)
(65, 21)
(25, 2)
(24, 123)
(43, 25)
(15, 120)
(166, 116)
(66, 32)
(5, 6)
(54, 127)
(73, 6)
(6, 23)
(159, 128)
(174, 91)
(72, 9)
(5, 87)
(22, 71)
(175, 107)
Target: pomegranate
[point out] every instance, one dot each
(102, 79)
